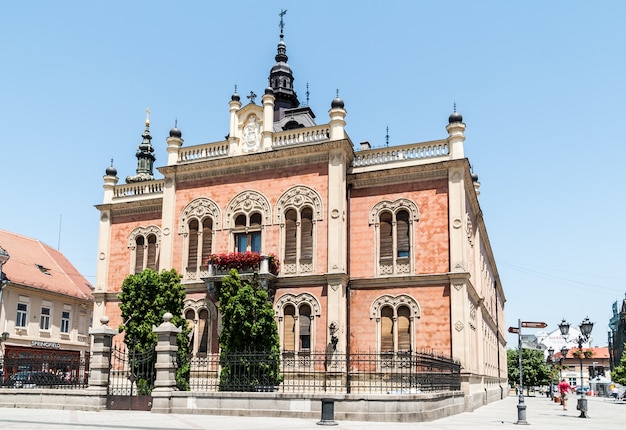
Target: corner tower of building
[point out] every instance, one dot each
(281, 78)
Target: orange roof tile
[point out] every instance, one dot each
(34, 264)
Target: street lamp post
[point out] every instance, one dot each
(585, 331)
(563, 355)
(551, 363)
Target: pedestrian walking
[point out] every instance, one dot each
(564, 389)
(615, 393)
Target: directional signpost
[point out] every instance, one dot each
(530, 341)
(533, 324)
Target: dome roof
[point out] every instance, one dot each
(455, 117)
(269, 90)
(235, 97)
(175, 132)
(337, 103)
(111, 171)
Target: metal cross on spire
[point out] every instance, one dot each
(282, 23)
(252, 96)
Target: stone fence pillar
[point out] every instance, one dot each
(100, 362)
(165, 365)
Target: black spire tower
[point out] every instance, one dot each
(281, 77)
(145, 156)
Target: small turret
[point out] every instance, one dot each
(145, 156)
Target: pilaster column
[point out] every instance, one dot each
(268, 120)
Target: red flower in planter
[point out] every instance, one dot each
(242, 261)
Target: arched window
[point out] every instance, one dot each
(298, 239)
(247, 233)
(296, 321)
(247, 214)
(201, 316)
(151, 261)
(297, 212)
(197, 225)
(199, 247)
(192, 249)
(139, 251)
(305, 327)
(144, 246)
(289, 328)
(394, 223)
(291, 237)
(395, 318)
(306, 236)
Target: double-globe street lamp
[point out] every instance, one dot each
(585, 331)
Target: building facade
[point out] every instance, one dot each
(381, 250)
(46, 309)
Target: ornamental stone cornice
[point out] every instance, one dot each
(406, 281)
(400, 175)
(258, 162)
(133, 208)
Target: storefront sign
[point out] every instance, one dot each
(52, 345)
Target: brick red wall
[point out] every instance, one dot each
(431, 240)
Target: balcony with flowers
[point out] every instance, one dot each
(247, 264)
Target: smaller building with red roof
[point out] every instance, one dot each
(46, 308)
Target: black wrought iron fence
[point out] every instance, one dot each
(311, 372)
(44, 370)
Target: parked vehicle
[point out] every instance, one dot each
(585, 389)
(28, 379)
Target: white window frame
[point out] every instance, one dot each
(45, 317)
(21, 317)
(66, 321)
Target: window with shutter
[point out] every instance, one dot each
(305, 327)
(203, 331)
(190, 316)
(403, 234)
(152, 252)
(404, 329)
(290, 236)
(289, 334)
(139, 250)
(192, 257)
(207, 239)
(386, 237)
(386, 329)
(306, 236)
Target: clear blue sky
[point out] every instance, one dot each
(540, 84)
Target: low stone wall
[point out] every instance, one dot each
(347, 407)
(351, 407)
(37, 398)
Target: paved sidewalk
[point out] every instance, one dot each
(541, 413)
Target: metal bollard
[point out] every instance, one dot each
(328, 413)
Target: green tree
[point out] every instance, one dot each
(144, 299)
(536, 370)
(249, 341)
(619, 372)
